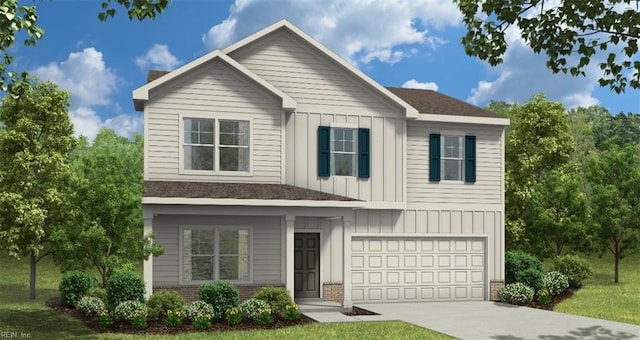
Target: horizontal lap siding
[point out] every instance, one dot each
(488, 186)
(309, 77)
(385, 182)
(266, 240)
(213, 89)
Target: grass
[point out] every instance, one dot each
(603, 299)
(20, 316)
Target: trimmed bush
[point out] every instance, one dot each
(192, 309)
(123, 286)
(74, 285)
(516, 294)
(163, 301)
(251, 307)
(277, 297)
(574, 267)
(127, 310)
(90, 305)
(222, 295)
(531, 277)
(97, 292)
(555, 282)
(518, 261)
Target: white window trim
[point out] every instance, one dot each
(451, 133)
(355, 148)
(216, 254)
(216, 145)
(343, 125)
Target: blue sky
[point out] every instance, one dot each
(411, 43)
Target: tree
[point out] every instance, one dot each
(538, 141)
(614, 175)
(34, 174)
(560, 30)
(16, 19)
(108, 233)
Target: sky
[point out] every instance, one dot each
(401, 43)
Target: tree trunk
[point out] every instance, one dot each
(32, 279)
(615, 268)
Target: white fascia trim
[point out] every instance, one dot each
(385, 205)
(410, 111)
(422, 235)
(463, 119)
(252, 202)
(141, 94)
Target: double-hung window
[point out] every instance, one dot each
(343, 152)
(216, 145)
(452, 158)
(215, 253)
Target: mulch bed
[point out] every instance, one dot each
(155, 326)
(554, 300)
(355, 311)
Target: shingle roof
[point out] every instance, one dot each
(432, 102)
(155, 74)
(236, 191)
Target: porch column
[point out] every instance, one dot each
(347, 229)
(148, 263)
(290, 228)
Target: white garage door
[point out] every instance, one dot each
(417, 269)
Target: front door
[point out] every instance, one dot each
(306, 265)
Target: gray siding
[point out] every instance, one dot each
(309, 77)
(387, 148)
(488, 186)
(265, 254)
(215, 90)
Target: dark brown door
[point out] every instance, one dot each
(306, 265)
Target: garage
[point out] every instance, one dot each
(417, 269)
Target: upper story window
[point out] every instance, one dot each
(343, 152)
(216, 145)
(452, 158)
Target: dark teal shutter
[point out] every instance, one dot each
(434, 157)
(364, 160)
(324, 155)
(470, 159)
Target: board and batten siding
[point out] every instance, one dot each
(310, 77)
(265, 237)
(387, 147)
(214, 90)
(488, 186)
(438, 223)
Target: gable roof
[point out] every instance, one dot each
(433, 102)
(157, 78)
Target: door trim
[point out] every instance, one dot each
(321, 248)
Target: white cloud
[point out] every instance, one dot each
(414, 84)
(360, 30)
(91, 84)
(158, 57)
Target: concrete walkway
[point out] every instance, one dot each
(492, 320)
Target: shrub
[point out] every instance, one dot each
(517, 262)
(277, 297)
(264, 317)
(555, 282)
(165, 300)
(123, 286)
(90, 305)
(173, 318)
(128, 309)
(104, 318)
(139, 320)
(74, 285)
(531, 277)
(574, 267)
(194, 308)
(234, 316)
(221, 295)
(291, 312)
(516, 294)
(202, 322)
(251, 307)
(97, 292)
(544, 297)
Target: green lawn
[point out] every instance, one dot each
(603, 299)
(20, 315)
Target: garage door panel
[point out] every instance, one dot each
(417, 269)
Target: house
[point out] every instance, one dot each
(276, 162)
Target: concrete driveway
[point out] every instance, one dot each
(492, 320)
